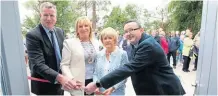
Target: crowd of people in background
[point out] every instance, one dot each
(180, 45)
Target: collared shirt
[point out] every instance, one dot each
(49, 34)
(55, 38)
(136, 45)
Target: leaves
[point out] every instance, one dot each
(115, 19)
(66, 15)
(132, 11)
(96, 6)
(118, 17)
(186, 14)
(179, 15)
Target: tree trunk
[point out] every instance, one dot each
(162, 17)
(86, 7)
(94, 15)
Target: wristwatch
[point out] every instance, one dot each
(98, 84)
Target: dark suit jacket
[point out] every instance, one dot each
(157, 38)
(42, 60)
(127, 48)
(149, 70)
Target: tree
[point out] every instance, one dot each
(155, 24)
(131, 11)
(84, 4)
(118, 17)
(186, 14)
(96, 6)
(157, 19)
(162, 12)
(66, 15)
(31, 21)
(147, 21)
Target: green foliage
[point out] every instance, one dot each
(30, 22)
(85, 5)
(96, 6)
(118, 17)
(147, 23)
(185, 14)
(131, 11)
(66, 15)
(182, 15)
(115, 19)
(103, 5)
(155, 20)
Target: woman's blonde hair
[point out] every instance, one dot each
(84, 20)
(109, 32)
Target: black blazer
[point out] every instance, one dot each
(42, 60)
(149, 70)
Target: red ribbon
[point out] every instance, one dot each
(38, 79)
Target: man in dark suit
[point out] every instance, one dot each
(44, 45)
(149, 69)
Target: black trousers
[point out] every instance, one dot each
(186, 63)
(40, 88)
(174, 57)
(196, 61)
(87, 81)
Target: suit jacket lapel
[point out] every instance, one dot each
(80, 47)
(133, 51)
(45, 36)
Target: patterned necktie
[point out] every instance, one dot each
(56, 49)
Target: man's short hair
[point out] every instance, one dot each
(47, 5)
(129, 21)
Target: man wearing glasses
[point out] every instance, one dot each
(149, 69)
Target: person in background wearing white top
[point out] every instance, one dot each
(110, 58)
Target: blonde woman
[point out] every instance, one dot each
(79, 54)
(109, 59)
(187, 44)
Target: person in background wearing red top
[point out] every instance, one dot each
(163, 42)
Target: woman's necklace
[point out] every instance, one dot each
(90, 53)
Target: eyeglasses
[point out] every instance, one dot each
(131, 30)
